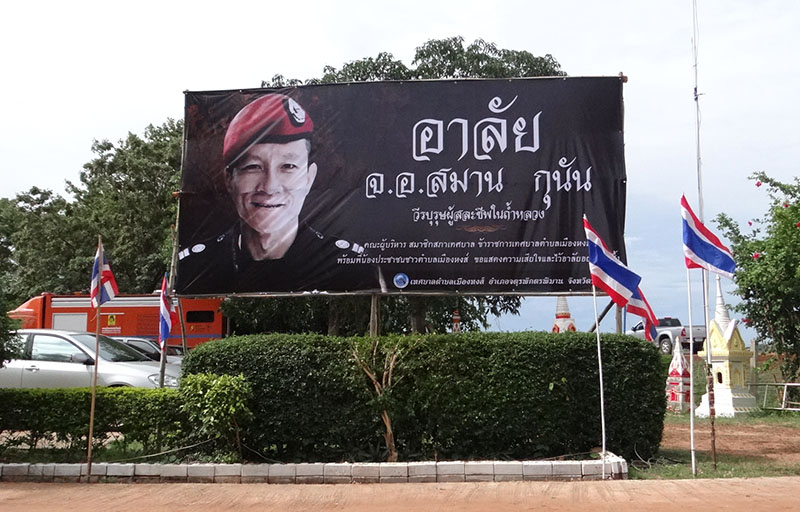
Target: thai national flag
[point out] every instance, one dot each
(104, 286)
(639, 306)
(608, 273)
(701, 247)
(165, 314)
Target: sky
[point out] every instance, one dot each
(75, 72)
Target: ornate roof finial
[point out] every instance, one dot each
(562, 308)
(721, 315)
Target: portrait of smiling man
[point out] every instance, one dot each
(268, 173)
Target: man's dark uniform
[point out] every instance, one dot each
(219, 265)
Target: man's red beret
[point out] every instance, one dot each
(270, 118)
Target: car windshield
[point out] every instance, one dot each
(174, 351)
(111, 350)
(145, 348)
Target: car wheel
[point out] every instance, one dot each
(665, 345)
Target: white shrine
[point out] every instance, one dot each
(730, 366)
(564, 321)
(678, 382)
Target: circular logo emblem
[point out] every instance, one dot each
(198, 248)
(296, 112)
(401, 280)
(342, 244)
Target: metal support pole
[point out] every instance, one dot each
(602, 315)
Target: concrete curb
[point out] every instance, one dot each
(616, 468)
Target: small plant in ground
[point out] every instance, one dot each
(216, 406)
(378, 361)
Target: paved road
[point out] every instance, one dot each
(751, 495)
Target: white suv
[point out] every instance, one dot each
(65, 359)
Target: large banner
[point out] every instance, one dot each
(473, 186)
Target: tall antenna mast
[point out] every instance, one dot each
(695, 32)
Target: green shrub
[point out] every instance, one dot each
(216, 406)
(527, 395)
(472, 396)
(60, 417)
(307, 405)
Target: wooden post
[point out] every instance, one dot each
(374, 316)
(183, 327)
(94, 395)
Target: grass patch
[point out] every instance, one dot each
(677, 464)
(113, 451)
(776, 418)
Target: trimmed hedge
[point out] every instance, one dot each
(309, 403)
(467, 396)
(62, 415)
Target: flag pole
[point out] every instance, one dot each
(163, 338)
(710, 375)
(94, 377)
(600, 372)
(162, 368)
(691, 376)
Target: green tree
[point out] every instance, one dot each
(449, 58)
(349, 316)
(382, 67)
(46, 248)
(126, 195)
(438, 59)
(9, 346)
(293, 315)
(767, 255)
(47, 242)
(8, 221)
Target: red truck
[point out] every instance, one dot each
(125, 315)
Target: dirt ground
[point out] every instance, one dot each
(781, 444)
(751, 495)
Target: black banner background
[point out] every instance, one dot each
(508, 220)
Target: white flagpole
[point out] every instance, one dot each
(691, 375)
(600, 372)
